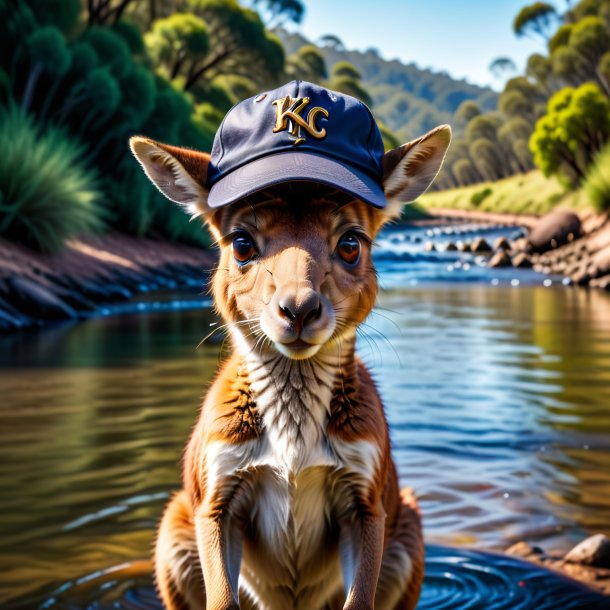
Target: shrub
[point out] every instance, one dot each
(477, 198)
(597, 181)
(47, 195)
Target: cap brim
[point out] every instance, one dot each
(294, 166)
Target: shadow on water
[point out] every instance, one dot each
(497, 395)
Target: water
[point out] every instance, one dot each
(497, 390)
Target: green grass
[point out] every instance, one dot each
(530, 193)
(597, 182)
(47, 195)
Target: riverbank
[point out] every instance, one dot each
(37, 289)
(529, 194)
(562, 242)
(588, 562)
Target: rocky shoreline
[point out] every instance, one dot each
(562, 243)
(37, 289)
(588, 562)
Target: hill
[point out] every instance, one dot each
(408, 99)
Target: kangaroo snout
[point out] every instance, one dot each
(299, 307)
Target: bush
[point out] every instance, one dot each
(597, 181)
(47, 195)
(477, 198)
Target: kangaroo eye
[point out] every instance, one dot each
(349, 248)
(243, 249)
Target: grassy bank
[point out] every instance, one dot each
(529, 193)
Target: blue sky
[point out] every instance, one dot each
(461, 37)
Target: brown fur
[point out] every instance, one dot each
(290, 496)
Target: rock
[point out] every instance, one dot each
(501, 243)
(451, 247)
(524, 549)
(594, 551)
(34, 299)
(522, 260)
(601, 260)
(480, 245)
(500, 259)
(555, 229)
(581, 276)
(520, 245)
(429, 247)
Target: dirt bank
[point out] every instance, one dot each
(522, 220)
(36, 289)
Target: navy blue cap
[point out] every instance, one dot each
(299, 131)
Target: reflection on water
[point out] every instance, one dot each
(498, 400)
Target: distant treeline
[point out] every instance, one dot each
(408, 99)
(556, 116)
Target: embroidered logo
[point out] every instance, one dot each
(288, 117)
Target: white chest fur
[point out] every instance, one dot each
(292, 470)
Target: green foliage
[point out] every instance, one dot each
(47, 47)
(561, 37)
(535, 18)
(178, 43)
(478, 197)
(502, 65)
(347, 70)
(47, 194)
(239, 44)
(131, 35)
(390, 141)
(61, 14)
(597, 181)
(110, 48)
(347, 85)
(279, 11)
(306, 64)
(575, 127)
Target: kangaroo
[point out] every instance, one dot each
(290, 496)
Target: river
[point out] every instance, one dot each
(497, 390)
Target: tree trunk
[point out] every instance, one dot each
(31, 86)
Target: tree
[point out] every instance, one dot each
(487, 158)
(178, 44)
(513, 103)
(277, 12)
(575, 128)
(307, 64)
(239, 44)
(101, 12)
(465, 172)
(49, 54)
(501, 66)
(540, 69)
(467, 111)
(330, 40)
(537, 18)
(345, 69)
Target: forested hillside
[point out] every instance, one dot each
(409, 100)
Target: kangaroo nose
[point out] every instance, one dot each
(301, 310)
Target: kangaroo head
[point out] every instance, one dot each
(295, 274)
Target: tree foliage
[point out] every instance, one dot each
(89, 76)
(575, 128)
(537, 18)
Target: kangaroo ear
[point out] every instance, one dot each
(410, 169)
(179, 173)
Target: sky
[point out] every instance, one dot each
(461, 37)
